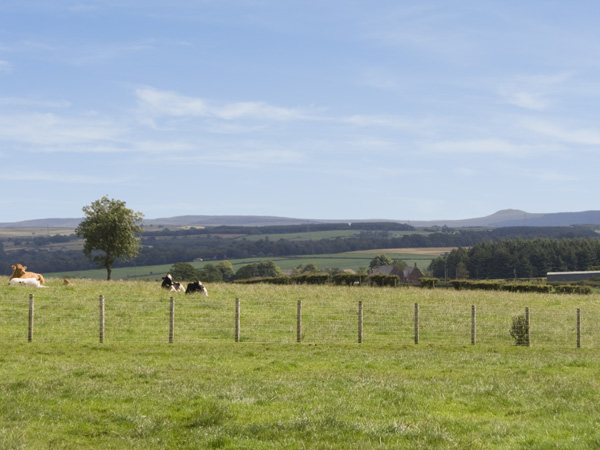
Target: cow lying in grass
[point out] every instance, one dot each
(172, 286)
(196, 286)
(19, 271)
(32, 282)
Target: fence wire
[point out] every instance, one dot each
(384, 321)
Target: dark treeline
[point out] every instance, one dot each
(518, 258)
(194, 244)
(282, 229)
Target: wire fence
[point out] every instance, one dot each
(184, 320)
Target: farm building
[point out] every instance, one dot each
(572, 276)
(407, 275)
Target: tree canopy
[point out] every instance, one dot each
(260, 269)
(380, 260)
(109, 232)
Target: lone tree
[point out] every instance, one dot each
(109, 231)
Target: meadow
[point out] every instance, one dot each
(348, 260)
(136, 390)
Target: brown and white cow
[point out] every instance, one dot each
(20, 271)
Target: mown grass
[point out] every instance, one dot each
(65, 390)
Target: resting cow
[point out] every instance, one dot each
(176, 287)
(172, 286)
(26, 282)
(167, 281)
(196, 286)
(19, 271)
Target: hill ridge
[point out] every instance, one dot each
(501, 218)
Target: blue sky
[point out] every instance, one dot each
(328, 109)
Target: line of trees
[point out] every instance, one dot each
(169, 249)
(518, 259)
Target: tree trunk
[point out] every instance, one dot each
(108, 273)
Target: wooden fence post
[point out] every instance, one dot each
(473, 325)
(299, 322)
(30, 328)
(360, 322)
(101, 319)
(578, 328)
(527, 327)
(237, 320)
(172, 320)
(416, 323)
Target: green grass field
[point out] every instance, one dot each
(349, 260)
(136, 391)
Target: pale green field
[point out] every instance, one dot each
(316, 235)
(136, 391)
(350, 260)
(11, 232)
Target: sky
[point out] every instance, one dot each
(314, 109)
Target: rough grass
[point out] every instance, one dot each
(136, 391)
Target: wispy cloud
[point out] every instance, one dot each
(32, 103)
(51, 129)
(487, 146)
(69, 178)
(533, 92)
(5, 67)
(252, 156)
(544, 175)
(167, 103)
(583, 136)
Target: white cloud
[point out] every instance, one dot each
(544, 175)
(5, 67)
(51, 129)
(527, 100)
(248, 158)
(34, 176)
(584, 136)
(29, 103)
(167, 103)
(386, 121)
(535, 91)
(486, 146)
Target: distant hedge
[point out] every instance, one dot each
(341, 279)
(499, 285)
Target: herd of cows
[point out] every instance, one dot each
(175, 286)
(20, 277)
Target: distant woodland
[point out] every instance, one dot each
(484, 253)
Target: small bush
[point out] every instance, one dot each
(428, 282)
(519, 330)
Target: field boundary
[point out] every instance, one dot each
(284, 321)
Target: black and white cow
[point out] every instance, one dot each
(172, 286)
(196, 286)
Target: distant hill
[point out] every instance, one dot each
(504, 218)
(518, 218)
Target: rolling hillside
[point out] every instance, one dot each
(503, 218)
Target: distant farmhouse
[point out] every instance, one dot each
(556, 277)
(410, 275)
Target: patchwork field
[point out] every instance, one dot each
(67, 390)
(351, 260)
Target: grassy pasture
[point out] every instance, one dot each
(316, 235)
(349, 260)
(136, 391)
(11, 232)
